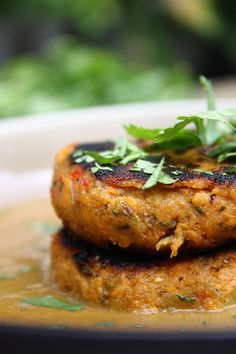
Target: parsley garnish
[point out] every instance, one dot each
(105, 324)
(123, 153)
(156, 172)
(44, 228)
(210, 128)
(187, 299)
(224, 151)
(4, 276)
(51, 301)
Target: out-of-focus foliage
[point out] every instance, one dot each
(151, 31)
(140, 43)
(198, 16)
(71, 75)
(94, 17)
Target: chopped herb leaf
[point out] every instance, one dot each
(153, 169)
(142, 133)
(105, 324)
(6, 276)
(59, 327)
(222, 148)
(102, 158)
(139, 325)
(183, 330)
(158, 176)
(25, 269)
(225, 156)
(145, 166)
(176, 173)
(187, 299)
(207, 86)
(98, 167)
(200, 210)
(203, 171)
(44, 228)
(231, 170)
(153, 179)
(52, 302)
(133, 156)
(223, 151)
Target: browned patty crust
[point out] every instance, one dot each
(197, 212)
(127, 281)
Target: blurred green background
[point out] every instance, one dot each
(61, 54)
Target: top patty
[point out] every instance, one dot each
(198, 211)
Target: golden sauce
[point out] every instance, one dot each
(25, 273)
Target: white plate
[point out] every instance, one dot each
(28, 144)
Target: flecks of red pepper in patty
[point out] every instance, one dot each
(203, 295)
(84, 182)
(75, 174)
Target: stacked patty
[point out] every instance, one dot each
(134, 249)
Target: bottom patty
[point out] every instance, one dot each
(129, 281)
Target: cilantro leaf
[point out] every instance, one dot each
(158, 176)
(133, 156)
(225, 156)
(208, 134)
(105, 324)
(222, 149)
(44, 228)
(187, 299)
(142, 133)
(145, 166)
(210, 128)
(207, 86)
(98, 167)
(231, 170)
(50, 301)
(102, 158)
(183, 139)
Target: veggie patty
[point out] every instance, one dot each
(123, 280)
(110, 206)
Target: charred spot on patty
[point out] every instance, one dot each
(97, 146)
(88, 254)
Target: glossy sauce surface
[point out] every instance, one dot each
(25, 234)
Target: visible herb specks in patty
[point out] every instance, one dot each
(200, 211)
(186, 299)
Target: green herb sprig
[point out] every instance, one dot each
(52, 302)
(157, 175)
(211, 128)
(186, 299)
(123, 153)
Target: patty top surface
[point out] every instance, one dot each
(190, 168)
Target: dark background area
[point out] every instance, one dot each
(62, 54)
